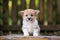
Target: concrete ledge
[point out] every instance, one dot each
(19, 37)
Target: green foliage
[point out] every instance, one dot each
(1, 2)
(54, 12)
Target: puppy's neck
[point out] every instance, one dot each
(25, 22)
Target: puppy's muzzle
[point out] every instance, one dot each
(29, 18)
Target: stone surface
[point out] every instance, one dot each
(19, 37)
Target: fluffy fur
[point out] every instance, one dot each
(30, 23)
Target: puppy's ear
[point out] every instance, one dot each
(37, 12)
(21, 13)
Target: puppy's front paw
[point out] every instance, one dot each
(35, 34)
(26, 34)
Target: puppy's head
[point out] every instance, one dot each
(29, 14)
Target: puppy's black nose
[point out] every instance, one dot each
(29, 18)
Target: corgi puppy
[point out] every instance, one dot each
(30, 23)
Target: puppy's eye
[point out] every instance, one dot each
(31, 15)
(26, 15)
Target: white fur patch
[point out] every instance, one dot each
(30, 27)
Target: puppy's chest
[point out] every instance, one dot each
(30, 25)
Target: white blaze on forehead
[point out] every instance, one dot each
(29, 16)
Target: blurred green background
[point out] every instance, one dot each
(27, 6)
(47, 18)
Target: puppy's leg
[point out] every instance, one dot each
(36, 32)
(25, 31)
